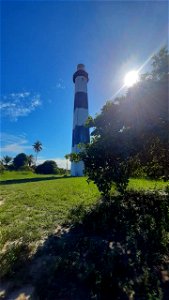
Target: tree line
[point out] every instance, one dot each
(23, 162)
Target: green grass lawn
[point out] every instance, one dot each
(144, 184)
(31, 210)
(9, 175)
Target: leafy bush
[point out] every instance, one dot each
(6, 160)
(26, 168)
(48, 167)
(13, 259)
(2, 168)
(20, 161)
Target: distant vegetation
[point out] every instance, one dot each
(23, 162)
(20, 161)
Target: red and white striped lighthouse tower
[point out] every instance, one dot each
(80, 131)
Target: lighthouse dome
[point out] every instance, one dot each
(80, 72)
(80, 67)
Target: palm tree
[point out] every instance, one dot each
(2, 168)
(37, 147)
(30, 160)
(6, 160)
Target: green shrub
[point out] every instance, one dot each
(48, 167)
(13, 259)
(20, 161)
(26, 168)
(2, 168)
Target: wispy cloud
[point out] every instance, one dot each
(13, 144)
(60, 85)
(17, 105)
(61, 162)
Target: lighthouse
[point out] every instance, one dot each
(80, 132)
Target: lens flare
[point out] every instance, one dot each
(131, 78)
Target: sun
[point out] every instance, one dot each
(131, 78)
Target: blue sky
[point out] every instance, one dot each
(43, 41)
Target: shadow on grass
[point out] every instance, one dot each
(116, 250)
(25, 180)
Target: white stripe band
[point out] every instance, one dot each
(80, 117)
(81, 84)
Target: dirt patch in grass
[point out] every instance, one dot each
(1, 200)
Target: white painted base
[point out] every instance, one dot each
(77, 169)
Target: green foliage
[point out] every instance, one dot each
(6, 160)
(26, 168)
(137, 169)
(2, 168)
(160, 63)
(37, 147)
(77, 213)
(30, 160)
(20, 161)
(48, 167)
(106, 157)
(13, 258)
(62, 171)
(156, 160)
(152, 162)
(73, 157)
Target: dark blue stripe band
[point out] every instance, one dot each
(81, 100)
(80, 135)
